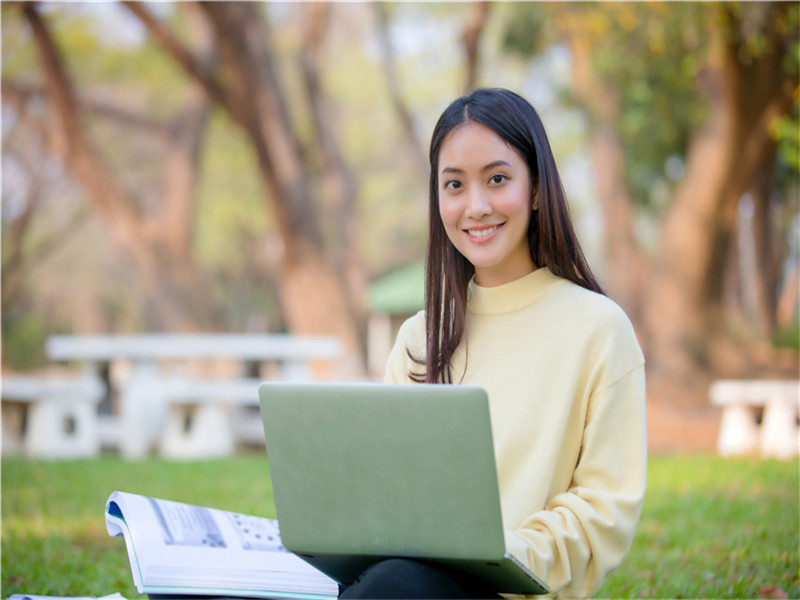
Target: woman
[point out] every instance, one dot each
(512, 305)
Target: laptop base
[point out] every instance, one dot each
(504, 575)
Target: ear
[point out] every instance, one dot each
(535, 202)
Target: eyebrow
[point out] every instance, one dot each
(491, 165)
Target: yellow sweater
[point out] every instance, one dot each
(565, 378)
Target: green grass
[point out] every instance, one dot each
(714, 528)
(711, 527)
(54, 539)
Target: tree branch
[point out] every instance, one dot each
(182, 55)
(340, 187)
(402, 111)
(102, 190)
(100, 107)
(266, 121)
(184, 150)
(470, 37)
(332, 156)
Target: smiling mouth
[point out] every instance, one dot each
(482, 233)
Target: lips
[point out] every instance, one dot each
(482, 234)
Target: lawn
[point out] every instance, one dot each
(711, 527)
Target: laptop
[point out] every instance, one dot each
(366, 471)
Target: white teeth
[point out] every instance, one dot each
(479, 233)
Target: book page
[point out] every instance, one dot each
(187, 525)
(174, 544)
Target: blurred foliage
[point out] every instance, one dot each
(786, 130)
(114, 63)
(788, 337)
(653, 54)
(230, 209)
(650, 53)
(24, 334)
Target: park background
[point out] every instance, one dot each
(258, 167)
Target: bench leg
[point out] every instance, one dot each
(197, 431)
(13, 418)
(59, 429)
(142, 410)
(779, 432)
(738, 432)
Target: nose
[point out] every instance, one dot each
(478, 205)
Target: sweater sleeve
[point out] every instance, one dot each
(410, 338)
(585, 532)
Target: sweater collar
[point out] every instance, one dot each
(513, 296)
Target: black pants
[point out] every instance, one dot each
(404, 578)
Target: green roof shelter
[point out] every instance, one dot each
(392, 299)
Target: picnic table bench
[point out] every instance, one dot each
(185, 416)
(50, 417)
(197, 407)
(758, 416)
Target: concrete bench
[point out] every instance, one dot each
(50, 417)
(153, 412)
(206, 418)
(758, 416)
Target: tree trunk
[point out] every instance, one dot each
(625, 263)
(675, 299)
(339, 185)
(314, 299)
(766, 248)
(404, 116)
(470, 38)
(683, 304)
(158, 248)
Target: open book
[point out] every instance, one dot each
(180, 549)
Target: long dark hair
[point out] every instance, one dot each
(551, 237)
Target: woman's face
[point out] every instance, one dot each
(485, 203)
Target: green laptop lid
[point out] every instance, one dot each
(375, 470)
